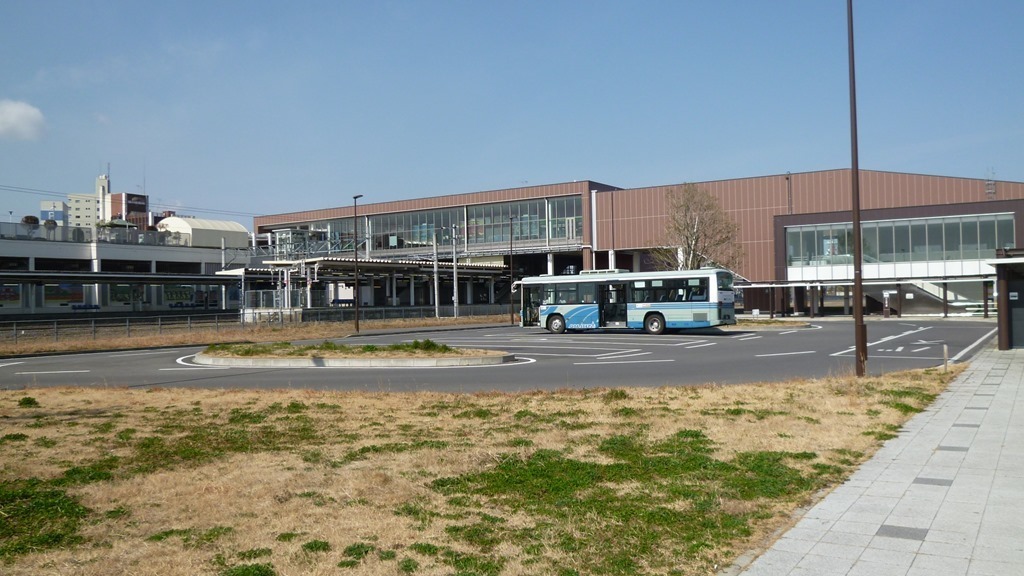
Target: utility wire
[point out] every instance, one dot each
(52, 194)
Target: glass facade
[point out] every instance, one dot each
(556, 219)
(413, 230)
(913, 240)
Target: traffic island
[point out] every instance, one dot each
(417, 354)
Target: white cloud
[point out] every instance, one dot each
(20, 120)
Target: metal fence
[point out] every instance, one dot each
(68, 329)
(400, 312)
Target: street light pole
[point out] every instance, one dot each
(455, 269)
(511, 275)
(355, 246)
(437, 282)
(860, 333)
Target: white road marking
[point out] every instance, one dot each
(616, 357)
(55, 372)
(920, 349)
(882, 341)
(701, 345)
(141, 353)
(623, 362)
(11, 364)
(627, 352)
(750, 338)
(195, 368)
(976, 342)
(785, 354)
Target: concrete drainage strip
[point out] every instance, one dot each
(240, 362)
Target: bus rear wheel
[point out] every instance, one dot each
(556, 324)
(654, 323)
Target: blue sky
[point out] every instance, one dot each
(231, 109)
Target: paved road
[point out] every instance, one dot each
(547, 361)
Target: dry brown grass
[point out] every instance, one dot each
(316, 488)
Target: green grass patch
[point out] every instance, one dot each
(424, 548)
(317, 498)
(98, 471)
(675, 506)
(255, 553)
(191, 537)
(37, 516)
(316, 546)
(736, 411)
(326, 348)
(117, 513)
(417, 512)
(626, 412)
(250, 570)
(480, 413)
(358, 551)
(28, 402)
(615, 395)
(392, 448)
(902, 407)
(45, 442)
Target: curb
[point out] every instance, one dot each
(316, 362)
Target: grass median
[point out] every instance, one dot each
(673, 480)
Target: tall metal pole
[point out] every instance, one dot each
(455, 269)
(860, 330)
(511, 277)
(355, 246)
(437, 286)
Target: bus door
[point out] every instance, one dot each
(532, 297)
(613, 305)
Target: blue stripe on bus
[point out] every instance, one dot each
(577, 316)
(586, 317)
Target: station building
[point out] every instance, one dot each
(928, 241)
(929, 246)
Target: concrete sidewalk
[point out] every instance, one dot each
(945, 498)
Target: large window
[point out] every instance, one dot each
(918, 240)
(491, 223)
(414, 230)
(566, 221)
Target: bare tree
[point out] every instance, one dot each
(698, 232)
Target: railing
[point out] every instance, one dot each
(136, 327)
(83, 235)
(409, 250)
(68, 329)
(400, 312)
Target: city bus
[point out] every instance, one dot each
(652, 301)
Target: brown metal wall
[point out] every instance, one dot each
(639, 214)
(582, 187)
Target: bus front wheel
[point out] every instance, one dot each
(654, 324)
(556, 324)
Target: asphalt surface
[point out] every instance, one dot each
(547, 361)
